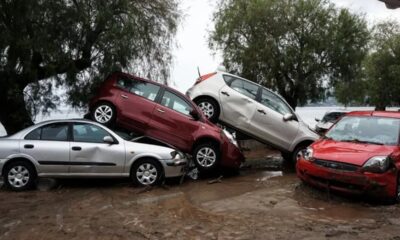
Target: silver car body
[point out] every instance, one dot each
(250, 116)
(57, 159)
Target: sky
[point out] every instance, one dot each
(193, 51)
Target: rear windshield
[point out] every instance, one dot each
(373, 130)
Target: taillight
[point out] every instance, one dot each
(204, 77)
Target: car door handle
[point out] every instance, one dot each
(124, 96)
(160, 110)
(262, 111)
(225, 93)
(76, 148)
(29, 146)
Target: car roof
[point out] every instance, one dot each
(391, 114)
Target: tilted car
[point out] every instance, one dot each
(152, 109)
(81, 148)
(360, 154)
(328, 120)
(252, 110)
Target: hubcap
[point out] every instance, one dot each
(103, 114)
(299, 154)
(207, 108)
(18, 176)
(206, 157)
(146, 174)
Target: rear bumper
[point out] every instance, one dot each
(232, 157)
(381, 185)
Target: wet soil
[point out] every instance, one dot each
(264, 201)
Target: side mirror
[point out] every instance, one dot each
(288, 117)
(317, 119)
(108, 139)
(195, 114)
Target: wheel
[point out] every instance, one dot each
(206, 157)
(293, 156)
(210, 108)
(147, 172)
(19, 176)
(104, 113)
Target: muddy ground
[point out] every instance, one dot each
(265, 201)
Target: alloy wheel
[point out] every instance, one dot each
(146, 174)
(103, 114)
(18, 176)
(206, 157)
(207, 108)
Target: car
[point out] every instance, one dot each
(328, 120)
(252, 110)
(82, 148)
(158, 111)
(359, 155)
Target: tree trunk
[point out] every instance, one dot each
(14, 116)
(292, 102)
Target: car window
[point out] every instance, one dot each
(85, 132)
(34, 135)
(272, 101)
(174, 102)
(244, 87)
(55, 132)
(140, 88)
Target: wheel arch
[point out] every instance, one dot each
(206, 139)
(144, 157)
(207, 96)
(19, 158)
(305, 142)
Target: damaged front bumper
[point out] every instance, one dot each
(381, 185)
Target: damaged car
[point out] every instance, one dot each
(81, 148)
(252, 110)
(360, 154)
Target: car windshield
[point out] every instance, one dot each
(370, 130)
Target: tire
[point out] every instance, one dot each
(292, 157)
(147, 172)
(104, 113)
(210, 108)
(19, 176)
(206, 157)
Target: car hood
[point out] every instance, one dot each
(352, 153)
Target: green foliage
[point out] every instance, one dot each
(382, 66)
(74, 44)
(298, 48)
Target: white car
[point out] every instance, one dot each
(328, 120)
(252, 110)
(81, 148)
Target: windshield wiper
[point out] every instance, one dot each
(361, 141)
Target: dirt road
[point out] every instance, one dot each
(263, 202)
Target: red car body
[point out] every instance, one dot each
(338, 165)
(151, 118)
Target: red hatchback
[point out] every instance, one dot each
(359, 154)
(155, 110)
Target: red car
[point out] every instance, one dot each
(360, 154)
(152, 109)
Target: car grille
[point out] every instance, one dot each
(336, 165)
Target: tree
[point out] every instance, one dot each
(382, 66)
(298, 48)
(73, 44)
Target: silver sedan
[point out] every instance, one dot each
(81, 148)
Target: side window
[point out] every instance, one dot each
(85, 132)
(140, 88)
(244, 87)
(270, 100)
(34, 135)
(55, 132)
(174, 102)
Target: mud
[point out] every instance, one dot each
(265, 201)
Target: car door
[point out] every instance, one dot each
(136, 102)
(91, 155)
(267, 121)
(172, 122)
(238, 102)
(49, 145)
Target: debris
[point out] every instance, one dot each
(193, 174)
(144, 189)
(218, 180)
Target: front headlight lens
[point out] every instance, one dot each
(308, 154)
(377, 164)
(177, 155)
(230, 137)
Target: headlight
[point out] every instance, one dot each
(176, 155)
(377, 164)
(308, 154)
(230, 137)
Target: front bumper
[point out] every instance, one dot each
(175, 168)
(379, 185)
(232, 157)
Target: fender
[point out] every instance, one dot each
(131, 161)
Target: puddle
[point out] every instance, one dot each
(268, 175)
